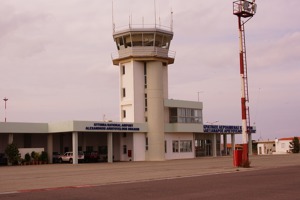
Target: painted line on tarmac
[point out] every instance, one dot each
(46, 189)
(55, 188)
(12, 192)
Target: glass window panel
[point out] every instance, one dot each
(158, 40)
(175, 145)
(148, 39)
(137, 39)
(127, 41)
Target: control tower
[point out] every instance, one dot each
(143, 57)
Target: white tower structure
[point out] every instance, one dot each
(143, 58)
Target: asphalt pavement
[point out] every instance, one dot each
(30, 178)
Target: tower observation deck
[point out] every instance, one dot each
(143, 43)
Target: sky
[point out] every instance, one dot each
(55, 60)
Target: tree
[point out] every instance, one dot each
(12, 153)
(295, 145)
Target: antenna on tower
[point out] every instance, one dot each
(171, 25)
(155, 13)
(130, 20)
(112, 17)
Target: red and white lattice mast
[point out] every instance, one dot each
(244, 9)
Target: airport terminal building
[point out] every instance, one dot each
(151, 127)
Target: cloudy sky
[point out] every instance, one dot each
(55, 60)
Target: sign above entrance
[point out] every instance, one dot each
(224, 129)
(112, 127)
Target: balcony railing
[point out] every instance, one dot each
(142, 27)
(143, 52)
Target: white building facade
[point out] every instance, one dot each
(266, 147)
(151, 128)
(283, 145)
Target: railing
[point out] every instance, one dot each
(143, 51)
(141, 26)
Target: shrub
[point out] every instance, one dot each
(12, 153)
(44, 156)
(27, 157)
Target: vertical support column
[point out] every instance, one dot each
(214, 145)
(109, 147)
(250, 143)
(75, 147)
(155, 97)
(50, 147)
(10, 138)
(232, 144)
(225, 144)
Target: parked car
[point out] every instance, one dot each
(68, 157)
(3, 159)
(92, 156)
(55, 157)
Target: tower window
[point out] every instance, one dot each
(146, 103)
(124, 113)
(145, 74)
(123, 92)
(123, 69)
(145, 68)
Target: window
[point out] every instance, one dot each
(123, 69)
(146, 103)
(120, 43)
(127, 41)
(185, 115)
(145, 81)
(137, 39)
(145, 74)
(123, 92)
(124, 113)
(148, 39)
(124, 149)
(146, 143)
(124, 134)
(175, 145)
(185, 146)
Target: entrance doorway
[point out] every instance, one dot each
(203, 148)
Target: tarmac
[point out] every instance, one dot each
(17, 179)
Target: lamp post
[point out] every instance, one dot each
(5, 100)
(198, 95)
